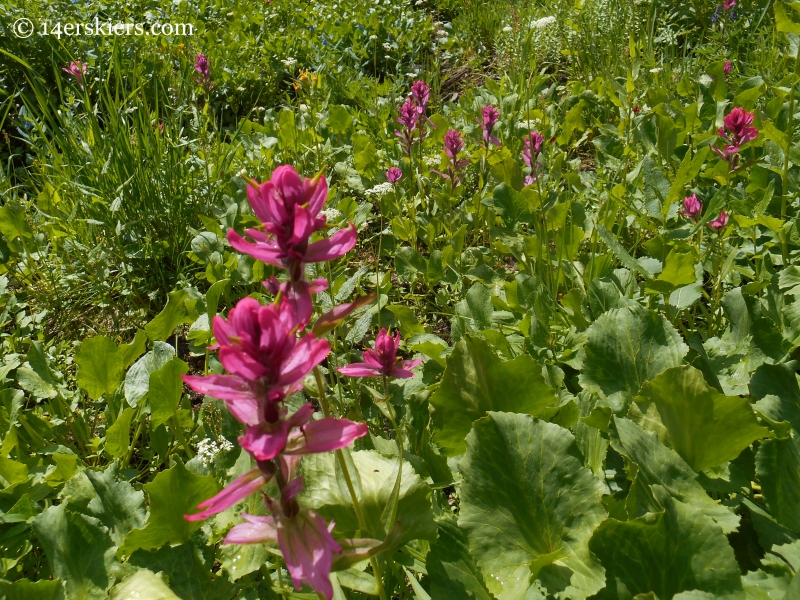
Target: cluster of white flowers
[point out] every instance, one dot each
(656, 70)
(705, 80)
(380, 190)
(373, 37)
(508, 29)
(331, 214)
(387, 46)
(289, 62)
(543, 22)
(208, 449)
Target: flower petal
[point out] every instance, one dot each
(237, 490)
(359, 370)
(325, 435)
(335, 246)
(257, 530)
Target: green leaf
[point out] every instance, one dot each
(778, 470)
(626, 347)
(102, 495)
(678, 269)
(473, 313)
(142, 584)
(101, 364)
(529, 506)
(661, 467)
(339, 118)
(137, 380)
(373, 477)
(783, 21)
(690, 167)
(451, 570)
(705, 427)
(79, 551)
(24, 589)
(173, 314)
(118, 438)
(475, 382)
(165, 390)
(188, 576)
(407, 320)
(12, 222)
(173, 493)
(677, 550)
(626, 259)
(239, 561)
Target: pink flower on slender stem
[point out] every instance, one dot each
(737, 131)
(289, 208)
(408, 117)
(489, 117)
(453, 144)
(237, 490)
(305, 540)
(382, 360)
(727, 67)
(259, 347)
(202, 66)
(77, 69)
(728, 4)
(393, 175)
(692, 207)
(720, 222)
(420, 94)
(533, 146)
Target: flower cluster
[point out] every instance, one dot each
(382, 360)
(77, 69)
(533, 147)
(267, 355)
(737, 131)
(411, 115)
(203, 69)
(489, 117)
(692, 209)
(453, 145)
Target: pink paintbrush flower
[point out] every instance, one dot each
(382, 360)
(692, 207)
(267, 361)
(77, 69)
(727, 67)
(420, 94)
(237, 490)
(489, 117)
(453, 144)
(728, 4)
(533, 146)
(393, 175)
(202, 66)
(737, 130)
(289, 208)
(720, 222)
(297, 295)
(304, 539)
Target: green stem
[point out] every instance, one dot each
(136, 435)
(176, 429)
(362, 523)
(785, 173)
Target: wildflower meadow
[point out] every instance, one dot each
(399, 299)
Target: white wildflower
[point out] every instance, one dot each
(418, 3)
(208, 449)
(508, 29)
(387, 46)
(432, 161)
(331, 214)
(543, 22)
(372, 38)
(380, 190)
(705, 80)
(656, 70)
(289, 62)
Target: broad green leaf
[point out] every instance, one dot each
(677, 550)
(118, 438)
(172, 494)
(407, 320)
(778, 393)
(239, 561)
(339, 118)
(142, 585)
(101, 364)
(102, 495)
(626, 259)
(473, 313)
(24, 589)
(13, 471)
(705, 427)
(476, 381)
(173, 314)
(778, 470)
(661, 467)
(137, 380)
(626, 347)
(529, 506)
(373, 477)
(12, 222)
(165, 391)
(678, 269)
(79, 551)
(690, 167)
(189, 576)
(451, 570)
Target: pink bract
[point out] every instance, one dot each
(382, 360)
